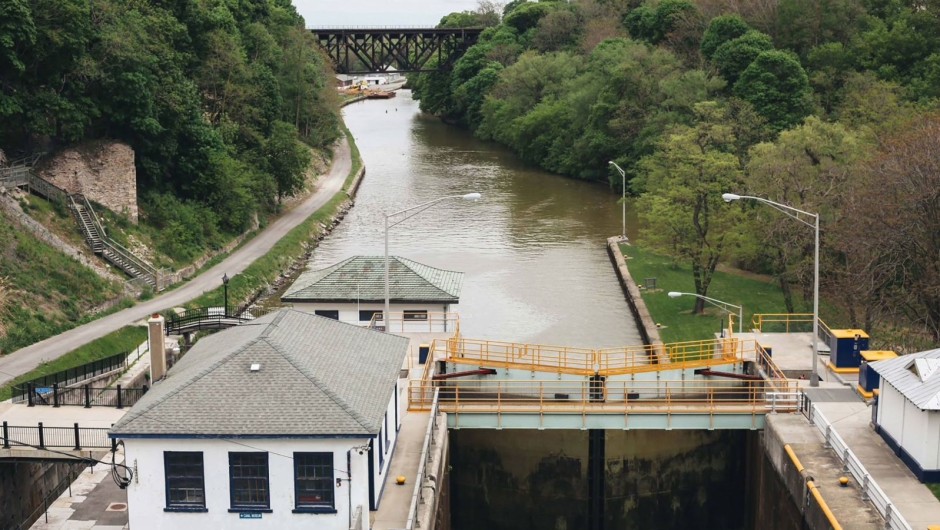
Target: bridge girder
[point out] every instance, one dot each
(366, 51)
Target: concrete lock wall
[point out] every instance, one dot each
(23, 486)
(652, 479)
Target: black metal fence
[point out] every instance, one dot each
(85, 396)
(219, 317)
(42, 437)
(69, 376)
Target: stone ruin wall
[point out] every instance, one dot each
(103, 171)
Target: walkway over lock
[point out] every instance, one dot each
(377, 50)
(723, 383)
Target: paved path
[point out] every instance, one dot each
(24, 360)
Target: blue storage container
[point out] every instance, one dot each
(846, 346)
(868, 378)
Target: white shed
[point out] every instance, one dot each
(353, 291)
(908, 410)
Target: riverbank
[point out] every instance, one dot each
(672, 318)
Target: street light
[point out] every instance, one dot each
(715, 302)
(225, 290)
(623, 200)
(421, 207)
(795, 214)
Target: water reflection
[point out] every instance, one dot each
(532, 249)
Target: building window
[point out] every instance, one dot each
(388, 440)
(313, 481)
(185, 481)
(328, 313)
(248, 481)
(415, 314)
(366, 316)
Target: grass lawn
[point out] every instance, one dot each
(935, 489)
(124, 339)
(754, 294)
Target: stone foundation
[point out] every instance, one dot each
(102, 171)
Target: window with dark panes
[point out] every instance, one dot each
(248, 480)
(328, 313)
(415, 314)
(367, 314)
(185, 480)
(313, 480)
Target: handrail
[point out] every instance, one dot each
(690, 396)
(893, 518)
(605, 361)
(812, 488)
(72, 375)
(422, 462)
(49, 498)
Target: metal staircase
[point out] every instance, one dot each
(111, 250)
(21, 174)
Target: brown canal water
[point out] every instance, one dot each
(533, 248)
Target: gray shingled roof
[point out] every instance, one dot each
(904, 374)
(318, 377)
(362, 278)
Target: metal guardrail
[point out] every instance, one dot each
(415, 322)
(85, 396)
(606, 361)
(71, 376)
(417, 498)
(387, 28)
(633, 397)
(42, 437)
(790, 323)
(870, 489)
(213, 318)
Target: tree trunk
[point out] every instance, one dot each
(787, 294)
(699, 306)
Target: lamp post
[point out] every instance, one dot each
(225, 290)
(420, 208)
(715, 302)
(623, 200)
(795, 214)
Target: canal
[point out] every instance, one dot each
(533, 248)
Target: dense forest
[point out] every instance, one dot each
(221, 101)
(824, 105)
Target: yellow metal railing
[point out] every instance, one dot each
(417, 322)
(791, 323)
(583, 361)
(516, 354)
(635, 397)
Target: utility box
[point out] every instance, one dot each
(868, 378)
(423, 351)
(846, 346)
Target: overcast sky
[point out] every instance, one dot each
(378, 12)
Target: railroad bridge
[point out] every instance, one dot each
(365, 50)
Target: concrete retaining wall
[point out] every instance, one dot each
(645, 323)
(513, 479)
(23, 486)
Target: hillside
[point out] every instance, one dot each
(43, 291)
(216, 99)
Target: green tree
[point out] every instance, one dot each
(735, 55)
(720, 30)
(808, 167)
(681, 205)
(287, 159)
(777, 86)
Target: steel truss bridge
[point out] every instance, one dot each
(376, 50)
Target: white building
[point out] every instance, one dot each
(908, 410)
(353, 291)
(289, 421)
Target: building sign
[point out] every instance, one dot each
(249, 515)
